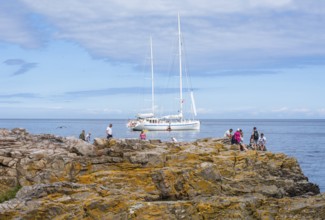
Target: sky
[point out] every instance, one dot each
(246, 59)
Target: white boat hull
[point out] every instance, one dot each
(166, 126)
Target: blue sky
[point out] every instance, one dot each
(87, 59)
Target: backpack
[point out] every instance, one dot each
(256, 135)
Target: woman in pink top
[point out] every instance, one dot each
(237, 140)
(236, 137)
(143, 135)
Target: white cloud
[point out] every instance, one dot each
(270, 3)
(202, 111)
(124, 8)
(282, 109)
(301, 110)
(14, 26)
(321, 111)
(110, 110)
(54, 108)
(237, 33)
(291, 110)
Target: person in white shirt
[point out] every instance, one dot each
(262, 142)
(88, 137)
(109, 131)
(228, 133)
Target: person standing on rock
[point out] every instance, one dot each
(143, 135)
(238, 139)
(255, 135)
(109, 131)
(82, 135)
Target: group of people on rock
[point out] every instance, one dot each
(85, 137)
(257, 141)
(109, 134)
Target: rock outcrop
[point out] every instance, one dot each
(66, 178)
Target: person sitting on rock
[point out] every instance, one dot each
(262, 142)
(252, 143)
(228, 134)
(82, 136)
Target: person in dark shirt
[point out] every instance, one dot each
(82, 136)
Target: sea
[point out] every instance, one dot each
(303, 139)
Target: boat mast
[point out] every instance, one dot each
(152, 80)
(180, 68)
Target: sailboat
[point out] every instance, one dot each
(170, 122)
(140, 117)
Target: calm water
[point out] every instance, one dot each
(302, 139)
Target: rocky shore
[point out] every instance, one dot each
(66, 178)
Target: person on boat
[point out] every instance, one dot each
(262, 142)
(169, 128)
(143, 135)
(109, 131)
(228, 133)
(82, 136)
